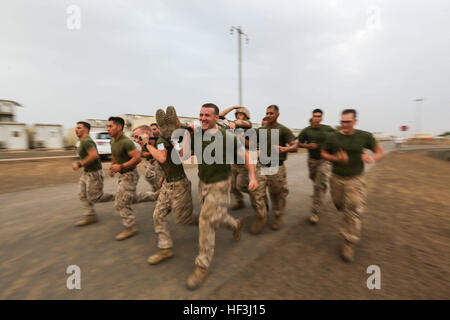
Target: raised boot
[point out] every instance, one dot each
(162, 123)
(348, 251)
(196, 278)
(86, 220)
(161, 255)
(258, 225)
(126, 233)
(314, 218)
(172, 120)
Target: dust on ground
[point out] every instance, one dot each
(406, 232)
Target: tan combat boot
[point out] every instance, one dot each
(172, 120)
(348, 251)
(126, 233)
(258, 225)
(276, 223)
(238, 205)
(87, 220)
(237, 231)
(161, 121)
(196, 278)
(161, 255)
(314, 218)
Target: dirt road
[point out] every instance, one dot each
(405, 232)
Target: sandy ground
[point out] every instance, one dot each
(406, 232)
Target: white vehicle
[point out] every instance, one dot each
(103, 142)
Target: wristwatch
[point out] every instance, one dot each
(79, 164)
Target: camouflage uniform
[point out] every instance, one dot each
(214, 200)
(91, 191)
(239, 180)
(349, 197)
(347, 184)
(126, 195)
(153, 173)
(278, 190)
(175, 197)
(319, 173)
(274, 178)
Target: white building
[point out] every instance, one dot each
(47, 136)
(13, 135)
(8, 110)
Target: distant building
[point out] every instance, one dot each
(13, 136)
(46, 136)
(8, 110)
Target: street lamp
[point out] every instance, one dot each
(240, 33)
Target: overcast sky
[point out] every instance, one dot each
(137, 56)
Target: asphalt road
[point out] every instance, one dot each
(38, 242)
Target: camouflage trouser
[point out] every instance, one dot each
(125, 196)
(214, 199)
(319, 173)
(278, 190)
(152, 174)
(175, 197)
(91, 191)
(239, 180)
(349, 197)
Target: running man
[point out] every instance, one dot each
(91, 180)
(345, 149)
(312, 138)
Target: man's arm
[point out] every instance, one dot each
(341, 156)
(159, 155)
(292, 148)
(253, 183)
(133, 162)
(311, 145)
(228, 110)
(243, 124)
(90, 159)
(378, 154)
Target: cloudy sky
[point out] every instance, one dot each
(137, 56)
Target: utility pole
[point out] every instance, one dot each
(240, 33)
(419, 104)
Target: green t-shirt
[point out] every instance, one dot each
(121, 148)
(215, 172)
(352, 144)
(285, 137)
(86, 144)
(317, 135)
(171, 170)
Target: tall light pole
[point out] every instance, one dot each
(240, 34)
(419, 104)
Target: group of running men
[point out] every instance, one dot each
(234, 166)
